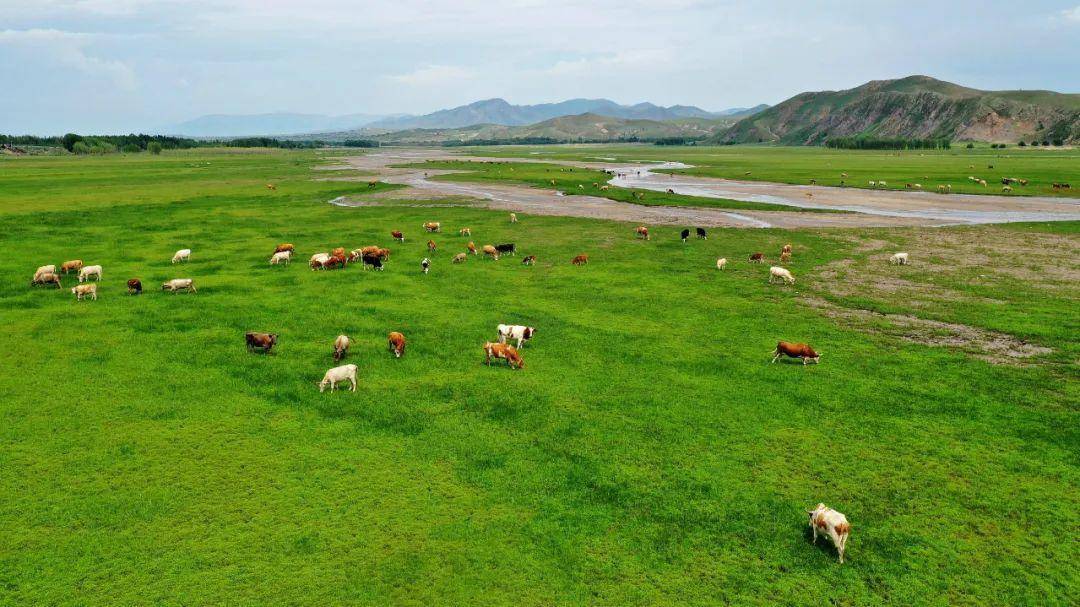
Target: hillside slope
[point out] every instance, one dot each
(916, 107)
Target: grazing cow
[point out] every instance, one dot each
(503, 351)
(49, 269)
(491, 252)
(670, 191)
(701, 233)
(872, 184)
(832, 524)
(372, 260)
(71, 266)
(431, 246)
(424, 265)
(285, 246)
(338, 252)
(395, 342)
(181, 255)
(642, 231)
(941, 189)
(433, 226)
(1061, 186)
(1008, 180)
(341, 347)
(1022, 181)
(786, 248)
(603, 188)
(580, 260)
(918, 186)
(134, 286)
(785, 257)
(513, 217)
(82, 291)
(757, 258)
(1006, 188)
(261, 341)
(844, 175)
(339, 374)
(776, 273)
(398, 236)
(472, 247)
(882, 184)
(460, 257)
(281, 257)
(721, 263)
(271, 186)
(899, 259)
(529, 260)
(684, 235)
(334, 261)
(179, 284)
(46, 278)
(317, 260)
(982, 182)
(465, 232)
(506, 248)
(372, 183)
(88, 271)
(747, 173)
(521, 333)
(795, 350)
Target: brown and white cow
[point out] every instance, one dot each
(395, 342)
(528, 260)
(464, 232)
(503, 351)
(433, 226)
(757, 258)
(832, 524)
(580, 260)
(642, 232)
(134, 286)
(262, 341)
(398, 236)
(460, 257)
(795, 350)
(431, 246)
(471, 247)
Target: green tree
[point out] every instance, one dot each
(80, 147)
(69, 140)
(154, 148)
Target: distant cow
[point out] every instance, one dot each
(1006, 188)
(506, 248)
(261, 341)
(1061, 186)
(471, 247)
(684, 235)
(519, 333)
(670, 191)
(271, 186)
(281, 257)
(491, 252)
(88, 271)
(372, 260)
(341, 347)
(71, 266)
(431, 246)
(503, 351)
(778, 274)
(372, 183)
(786, 248)
(529, 260)
(88, 290)
(460, 257)
(785, 257)
(425, 264)
(285, 246)
(580, 260)
(513, 217)
(465, 232)
(721, 263)
(433, 226)
(395, 342)
(179, 284)
(795, 350)
(701, 233)
(398, 236)
(642, 231)
(832, 524)
(134, 286)
(181, 255)
(899, 259)
(757, 258)
(46, 278)
(339, 374)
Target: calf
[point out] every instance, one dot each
(642, 231)
(281, 257)
(684, 235)
(506, 248)
(46, 278)
(778, 274)
(88, 271)
(134, 286)
(425, 264)
(71, 266)
(179, 284)
(491, 252)
(181, 255)
(339, 374)
(899, 259)
(460, 257)
(341, 347)
(757, 258)
(88, 290)
(701, 233)
(520, 333)
(795, 350)
(395, 342)
(433, 226)
(832, 524)
(262, 341)
(721, 263)
(285, 246)
(503, 351)
(580, 260)
(398, 236)
(529, 260)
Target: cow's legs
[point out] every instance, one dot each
(774, 358)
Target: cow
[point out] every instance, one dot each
(372, 260)
(491, 252)
(47, 278)
(721, 263)
(899, 259)
(134, 286)
(701, 233)
(88, 271)
(179, 284)
(520, 333)
(513, 217)
(398, 236)
(832, 524)
(433, 226)
(1006, 188)
(49, 269)
(317, 260)
(580, 260)
(334, 261)
(795, 350)
(982, 182)
(341, 347)
(529, 260)
(1061, 186)
(395, 342)
(757, 258)
(785, 257)
(71, 266)
(425, 264)
(471, 247)
(642, 232)
(281, 257)
(338, 252)
(872, 184)
(778, 274)
(262, 341)
(460, 257)
(465, 232)
(271, 186)
(844, 175)
(81, 291)
(506, 248)
(1022, 181)
(181, 255)
(431, 246)
(786, 248)
(372, 183)
(882, 184)
(503, 351)
(604, 188)
(339, 374)
(670, 191)
(285, 246)
(684, 235)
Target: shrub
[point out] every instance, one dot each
(1058, 142)
(1022, 144)
(130, 148)
(80, 147)
(154, 147)
(971, 146)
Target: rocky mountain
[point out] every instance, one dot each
(913, 107)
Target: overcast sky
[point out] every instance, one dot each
(128, 65)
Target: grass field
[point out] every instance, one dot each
(1042, 167)
(647, 454)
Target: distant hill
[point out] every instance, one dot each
(244, 125)
(913, 107)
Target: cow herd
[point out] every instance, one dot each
(90, 276)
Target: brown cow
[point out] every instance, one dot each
(431, 246)
(398, 236)
(395, 342)
(491, 252)
(383, 254)
(263, 341)
(338, 252)
(341, 346)
(642, 231)
(46, 278)
(134, 286)
(286, 246)
(433, 226)
(580, 260)
(795, 350)
(503, 351)
(472, 247)
(757, 258)
(71, 266)
(334, 261)
(785, 257)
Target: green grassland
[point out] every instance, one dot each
(648, 453)
(1042, 167)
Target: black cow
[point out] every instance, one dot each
(506, 248)
(701, 234)
(685, 234)
(372, 260)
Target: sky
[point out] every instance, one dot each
(108, 66)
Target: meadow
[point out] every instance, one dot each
(798, 165)
(648, 453)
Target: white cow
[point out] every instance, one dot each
(179, 284)
(182, 255)
(81, 291)
(281, 257)
(776, 273)
(721, 263)
(521, 333)
(339, 374)
(832, 524)
(88, 271)
(317, 260)
(899, 259)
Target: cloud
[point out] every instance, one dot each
(1072, 14)
(623, 60)
(67, 49)
(431, 75)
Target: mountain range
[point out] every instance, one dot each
(247, 125)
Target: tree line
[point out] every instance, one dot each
(109, 144)
(886, 143)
